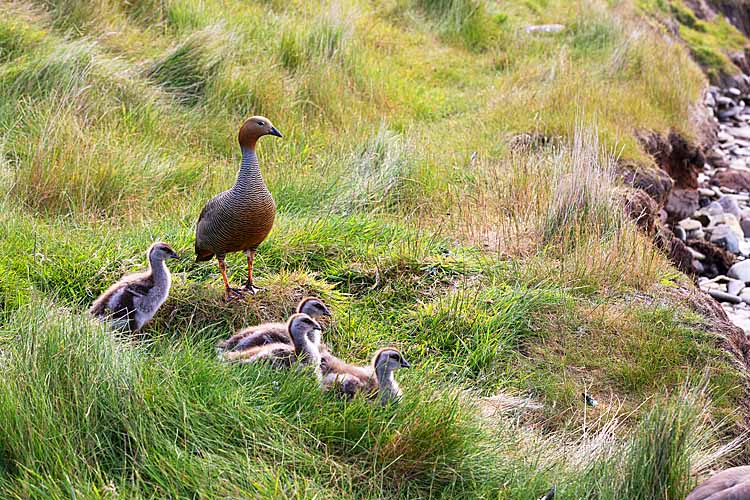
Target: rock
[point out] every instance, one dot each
(724, 137)
(734, 91)
(744, 247)
(740, 271)
(698, 267)
(680, 233)
(718, 159)
(708, 193)
(696, 254)
(745, 225)
(724, 297)
(545, 28)
(722, 100)
(709, 100)
(734, 287)
(715, 208)
(730, 206)
(725, 237)
(745, 296)
(734, 224)
(717, 262)
(682, 203)
(739, 132)
(690, 225)
(728, 113)
(739, 180)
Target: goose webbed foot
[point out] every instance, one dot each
(250, 288)
(232, 294)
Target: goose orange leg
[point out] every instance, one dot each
(249, 286)
(229, 292)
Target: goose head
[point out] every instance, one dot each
(160, 251)
(389, 359)
(253, 129)
(313, 307)
(303, 331)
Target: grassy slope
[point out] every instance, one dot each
(406, 199)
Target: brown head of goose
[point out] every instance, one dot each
(305, 349)
(376, 379)
(269, 333)
(239, 219)
(133, 300)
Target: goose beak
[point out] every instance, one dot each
(327, 313)
(405, 364)
(174, 255)
(275, 132)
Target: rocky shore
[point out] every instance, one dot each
(717, 234)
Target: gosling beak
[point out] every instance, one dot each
(405, 364)
(174, 255)
(327, 312)
(275, 132)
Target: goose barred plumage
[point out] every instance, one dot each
(239, 219)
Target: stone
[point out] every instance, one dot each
(734, 91)
(724, 297)
(709, 193)
(710, 100)
(745, 296)
(724, 137)
(717, 262)
(729, 113)
(725, 237)
(682, 203)
(745, 225)
(744, 247)
(740, 271)
(738, 180)
(680, 233)
(690, 225)
(739, 132)
(715, 208)
(696, 254)
(729, 205)
(734, 287)
(698, 267)
(722, 100)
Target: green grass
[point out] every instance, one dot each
(446, 182)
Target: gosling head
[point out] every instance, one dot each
(253, 129)
(161, 251)
(302, 329)
(313, 307)
(389, 359)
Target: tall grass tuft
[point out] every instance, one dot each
(464, 20)
(379, 171)
(188, 68)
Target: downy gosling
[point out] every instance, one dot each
(305, 349)
(375, 379)
(134, 299)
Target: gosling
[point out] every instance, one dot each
(134, 299)
(305, 349)
(376, 379)
(270, 333)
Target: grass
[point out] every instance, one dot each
(446, 182)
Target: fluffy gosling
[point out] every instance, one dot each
(305, 349)
(271, 333)
(375, 379)
(134, 299)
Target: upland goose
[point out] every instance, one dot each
(239, 219)
(134, 299)
(375, 379)
(729, 484)
(269, 333)
(305, 334)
